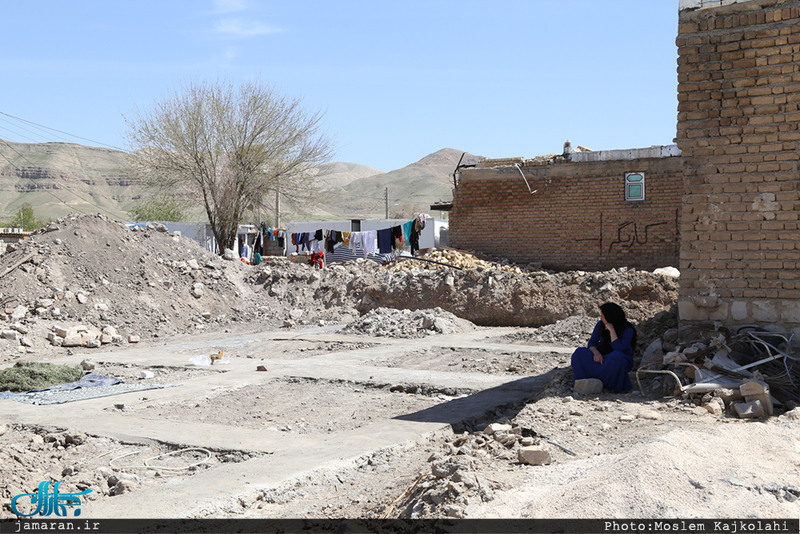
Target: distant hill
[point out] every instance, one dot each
(61, 178)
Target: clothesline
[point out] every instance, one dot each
(382, 241)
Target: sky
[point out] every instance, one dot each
(395, 80)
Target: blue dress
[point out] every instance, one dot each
(616, 364)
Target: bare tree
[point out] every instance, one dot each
(234, 148)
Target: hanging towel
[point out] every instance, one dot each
(407, 229)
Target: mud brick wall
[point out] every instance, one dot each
(578, 217)
(738, 117)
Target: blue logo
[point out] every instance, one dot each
(48, 503)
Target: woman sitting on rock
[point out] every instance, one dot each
(609, 356)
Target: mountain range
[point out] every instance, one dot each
(61, 178)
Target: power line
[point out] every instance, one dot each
(61, 132)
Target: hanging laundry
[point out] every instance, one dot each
(385, 241)
(370, 241)
(407, 229)
(346, 239)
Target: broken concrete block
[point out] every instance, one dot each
(757, 390)
(588, 386)
(25, 341)
(496, 427)
(715, 406)
(87, 365)
(728, 395)
(92, 344)
(146, 374)
(262, 368)
(534, 455)
(133, 338)
(72, 340)
(749, 410)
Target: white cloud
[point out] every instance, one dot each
(243, 28)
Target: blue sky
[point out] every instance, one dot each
(397, 80)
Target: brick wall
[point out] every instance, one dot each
(578, 217)
(738, 117)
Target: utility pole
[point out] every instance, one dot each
(277, 209)
(386, 199)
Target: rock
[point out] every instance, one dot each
(668, 271)
(133, 338)
(72, 340)
(193, 264)
(588, 386)
(20, 328)
(534, 455)
(650, 415)
(715, 406)
(82, 298)
(626, 418)
(749, 410)
(87, 365)
(198, 289)
(605, 427)
(146, 374)
(756, 390)
(25, 341)
(262, 368)
(496, 427)
(19, 313)
(296, 314)
(229, 255)
(9, 334)
(92, 343)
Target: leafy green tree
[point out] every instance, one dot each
(159, 209)
(26, 219)
(233, 149)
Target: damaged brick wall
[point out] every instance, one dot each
(578, 217)
(738, 117)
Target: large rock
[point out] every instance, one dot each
(588, 386)
(534, 455)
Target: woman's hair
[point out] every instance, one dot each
(615, 315)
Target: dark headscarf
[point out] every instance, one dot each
(615, 315)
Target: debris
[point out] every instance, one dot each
(757, 390)
(749, 410)
(534, 455)
(262, 368)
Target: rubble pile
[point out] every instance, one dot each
(455, 481)
(87, 280)
(448, 258)
(388, 322)
(740, 373)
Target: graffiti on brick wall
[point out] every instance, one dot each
(630, 234)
